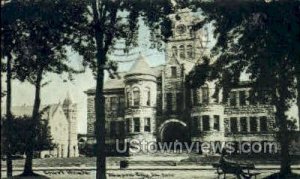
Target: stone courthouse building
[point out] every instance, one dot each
(154, 104)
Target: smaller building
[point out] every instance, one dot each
(62, 120)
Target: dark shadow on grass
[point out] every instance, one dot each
(29, 176)
(278, 176)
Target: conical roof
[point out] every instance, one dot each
(141, 67)
(68, 100)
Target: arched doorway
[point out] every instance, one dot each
(174, 130)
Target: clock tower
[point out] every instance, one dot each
(186, 44)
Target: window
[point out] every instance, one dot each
(251, 97)
(113, 127)
(195, 97)
(196, 124)
(129, 99)
(121, 106)
(244, 125)
(114, 103)
(253, 124)
(173, 72)
(233, 125)
(205, 122)
(128, 125)
(136, 122)
(181, 52)
(217, 122)
(178, 101)
(147, 127)
(148, 94)
(169, 102)
(174, 51)
(136, 97)
(232, 96)
(263, 124)
(205, 94)
(121, 128)
(189, 51)
(242, 98)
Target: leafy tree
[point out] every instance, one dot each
(43, 29)
(21, 125)
(261, 39)
(112, 21)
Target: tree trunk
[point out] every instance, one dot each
(99, 98)
(298, 98)
(100, 126)
(9, 118)
(284, 133)
(35, 117)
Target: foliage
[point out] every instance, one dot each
(21, 125)
(262, 40)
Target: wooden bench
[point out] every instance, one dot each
(235, 169)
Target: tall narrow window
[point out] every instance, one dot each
(263, 124)
(195, 97)
(189, 51)
(242, 98)
(136, 97)
(113, 103)
(195, 126)
(173, 72)
(148, 96)
(169, 102)
(129, 99)
(121, 106)
(128, 125)
(113, 127)
(253, 124)
(252, 97)
(205, 122)
(216, 122)
(174, 51)
(233, 125)
(244, 125)
(121, 128)
(147, 127)
(232, 97)
(137, 124)
(205, 94)
(182, 52)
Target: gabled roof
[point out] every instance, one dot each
(115, 83)
(140, 67)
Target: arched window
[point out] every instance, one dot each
(174, 51)
(205, 94)
(129, 98)
(181, 51)
(136, 97)
(189, 51)
(148, 96)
